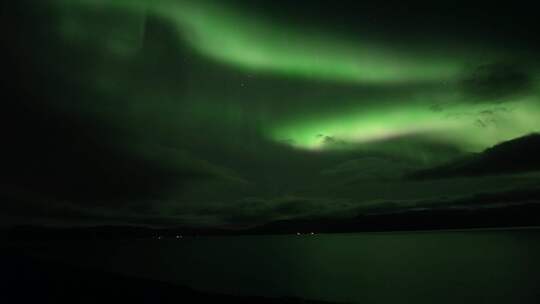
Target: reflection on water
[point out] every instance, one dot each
(418, 267)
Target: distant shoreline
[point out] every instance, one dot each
(88, 234)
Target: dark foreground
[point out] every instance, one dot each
(445, 267)
(27, 280)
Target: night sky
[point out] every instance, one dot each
(235, 113)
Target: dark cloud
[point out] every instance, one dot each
(260, 210)
(497, 82)
(33, 208)
(70, 140)
(77, 158)
(370, 168)
(474, 201)
(256, 210)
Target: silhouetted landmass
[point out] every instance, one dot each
(480, 211)
(514, 156)
(524, 215)
(28, 232)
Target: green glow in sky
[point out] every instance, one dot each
(243, 41)
(205, 104)
(249, 43)
(246, 42)
(472, 127)
(239, 39)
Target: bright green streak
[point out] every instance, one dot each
(244, 41)
(359, 127)
(463, 125)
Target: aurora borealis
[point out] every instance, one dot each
(248, 43)
(243, 112)
(236, 38)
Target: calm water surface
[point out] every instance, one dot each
(499, 266)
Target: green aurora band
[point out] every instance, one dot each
(242, 41)
(469, 127)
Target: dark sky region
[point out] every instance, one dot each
(234, 113)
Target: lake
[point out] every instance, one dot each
(477, 266)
